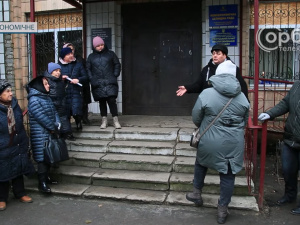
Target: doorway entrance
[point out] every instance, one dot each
(161, 50)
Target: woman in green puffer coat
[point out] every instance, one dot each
(222, 146)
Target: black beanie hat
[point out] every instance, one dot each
(3, 85)
(37, 84)
(64, 52)
(221, 48)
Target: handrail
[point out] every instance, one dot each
(253, 159)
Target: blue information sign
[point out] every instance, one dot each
(223, 15)
(226, 37)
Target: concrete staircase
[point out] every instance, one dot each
(140, 163)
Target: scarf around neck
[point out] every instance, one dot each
(10, 118)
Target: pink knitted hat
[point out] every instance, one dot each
(97, 41)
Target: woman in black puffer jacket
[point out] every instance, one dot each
(58, 95)
(103, 68)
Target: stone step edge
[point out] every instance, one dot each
(173, 176)
(143, 196)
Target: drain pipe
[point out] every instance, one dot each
(33, 40)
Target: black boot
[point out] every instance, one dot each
(195, 196)
(43, 183)
(50, 180)
(69, 137)
(296, 211)
(85, 114)
(222, 214)
(78, 122)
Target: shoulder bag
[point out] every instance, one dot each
(55, 150)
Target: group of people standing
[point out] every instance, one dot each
(64, 91)
(61, 93)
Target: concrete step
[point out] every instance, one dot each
(94, 132)
(149, 180)
(86, 145)
(184, 164)
(146, 133)
(142, 196)
(184, 149)
(146, 180)
(184, 134)
(142, 147)
(184, 182)
(126, 147)
(88, 159)
(137, 162)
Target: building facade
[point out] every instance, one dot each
(161, 44)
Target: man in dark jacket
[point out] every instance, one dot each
(290, 152)
(219, 55)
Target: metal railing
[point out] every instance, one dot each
(270, 93)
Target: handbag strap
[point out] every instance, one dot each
(215, 118)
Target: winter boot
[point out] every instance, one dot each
(116, 122)
(195, 197)
(104, 122)
(222, 214)
(43, 183)
(78, 122)
(85, 114)
(70, 137)
(50, 180)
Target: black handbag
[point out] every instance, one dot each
(55, 150)
(196, 136)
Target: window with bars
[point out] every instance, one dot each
(279, 61)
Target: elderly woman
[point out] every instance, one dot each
(14, 160)
(44, 120)
(222, 147)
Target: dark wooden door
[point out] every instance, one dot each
(160, 52)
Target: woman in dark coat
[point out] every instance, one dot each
(103, 68)
(58, 95)
(86, 90)
(14, 159)
(76, 72)
(43, 120)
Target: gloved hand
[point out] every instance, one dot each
(263, 116)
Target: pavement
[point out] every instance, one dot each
(61, 210)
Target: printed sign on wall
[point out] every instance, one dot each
(223, 15)
(226, 37)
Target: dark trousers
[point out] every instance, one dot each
(226, 183)
(43, 168)
(112, 103)
(17, 187)
(290, 158)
